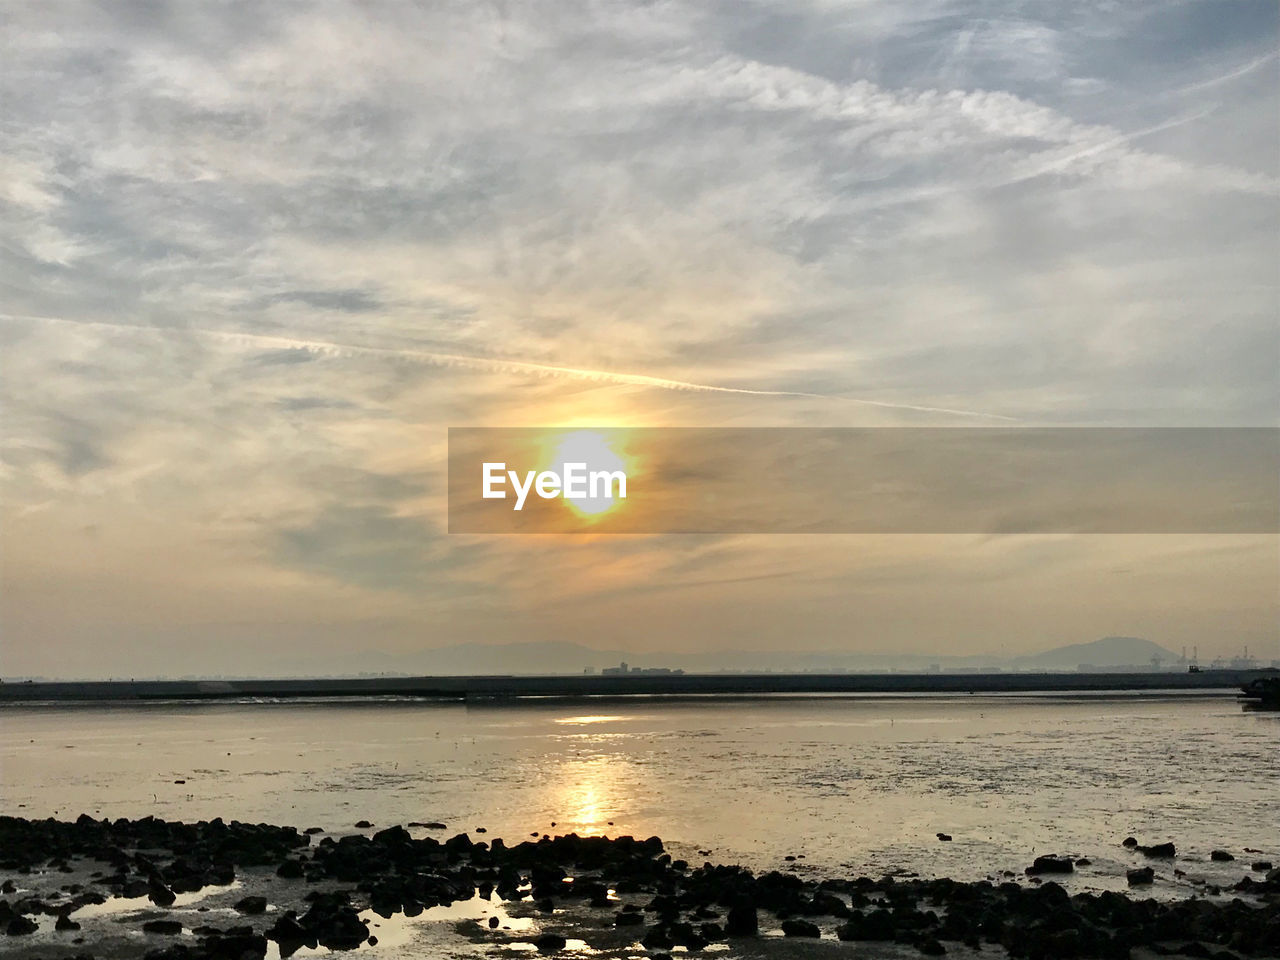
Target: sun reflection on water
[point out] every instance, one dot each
(589, 794)
(591, 718)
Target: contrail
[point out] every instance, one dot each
(1241, 71)
(1119, 140)
(498, 364)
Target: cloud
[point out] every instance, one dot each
(287, 246)
(364, 546)
(346, 301)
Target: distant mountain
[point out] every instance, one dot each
(1107, 652)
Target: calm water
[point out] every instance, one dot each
(853, 786)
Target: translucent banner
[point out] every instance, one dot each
(864, 480)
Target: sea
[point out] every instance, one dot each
(821, 786)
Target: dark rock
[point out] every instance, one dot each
(658, 938)
(1130, 842)
(685, 936)
(828, 905)
(391, 872)
(593, 891)
(800, 928)
(742, 921)
(160, 893)
(930, 947)
(1159, 850)
(1262, 866)
(493, 923)
(235, 946)
(1221, 856)
(363, 824)
(550, 943)
(290, 870)
(1050, 865)
(65, 922)
(291, 935)
(876, 925)
(252, 905)
(21, 926)
(30, 906)
(944, 837)
(1142, 876)
(166, 927)
(396, 836)
(337, 927)
(458, 844)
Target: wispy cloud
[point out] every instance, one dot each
(287, 345)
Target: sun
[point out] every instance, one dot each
(600, 451)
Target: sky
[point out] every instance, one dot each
(257, 258)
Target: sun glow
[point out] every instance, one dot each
(600, 451)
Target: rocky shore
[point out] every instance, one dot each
(318, 890)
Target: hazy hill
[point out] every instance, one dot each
(1107, 652)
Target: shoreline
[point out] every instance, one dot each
(498, 688)
(283, 889)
